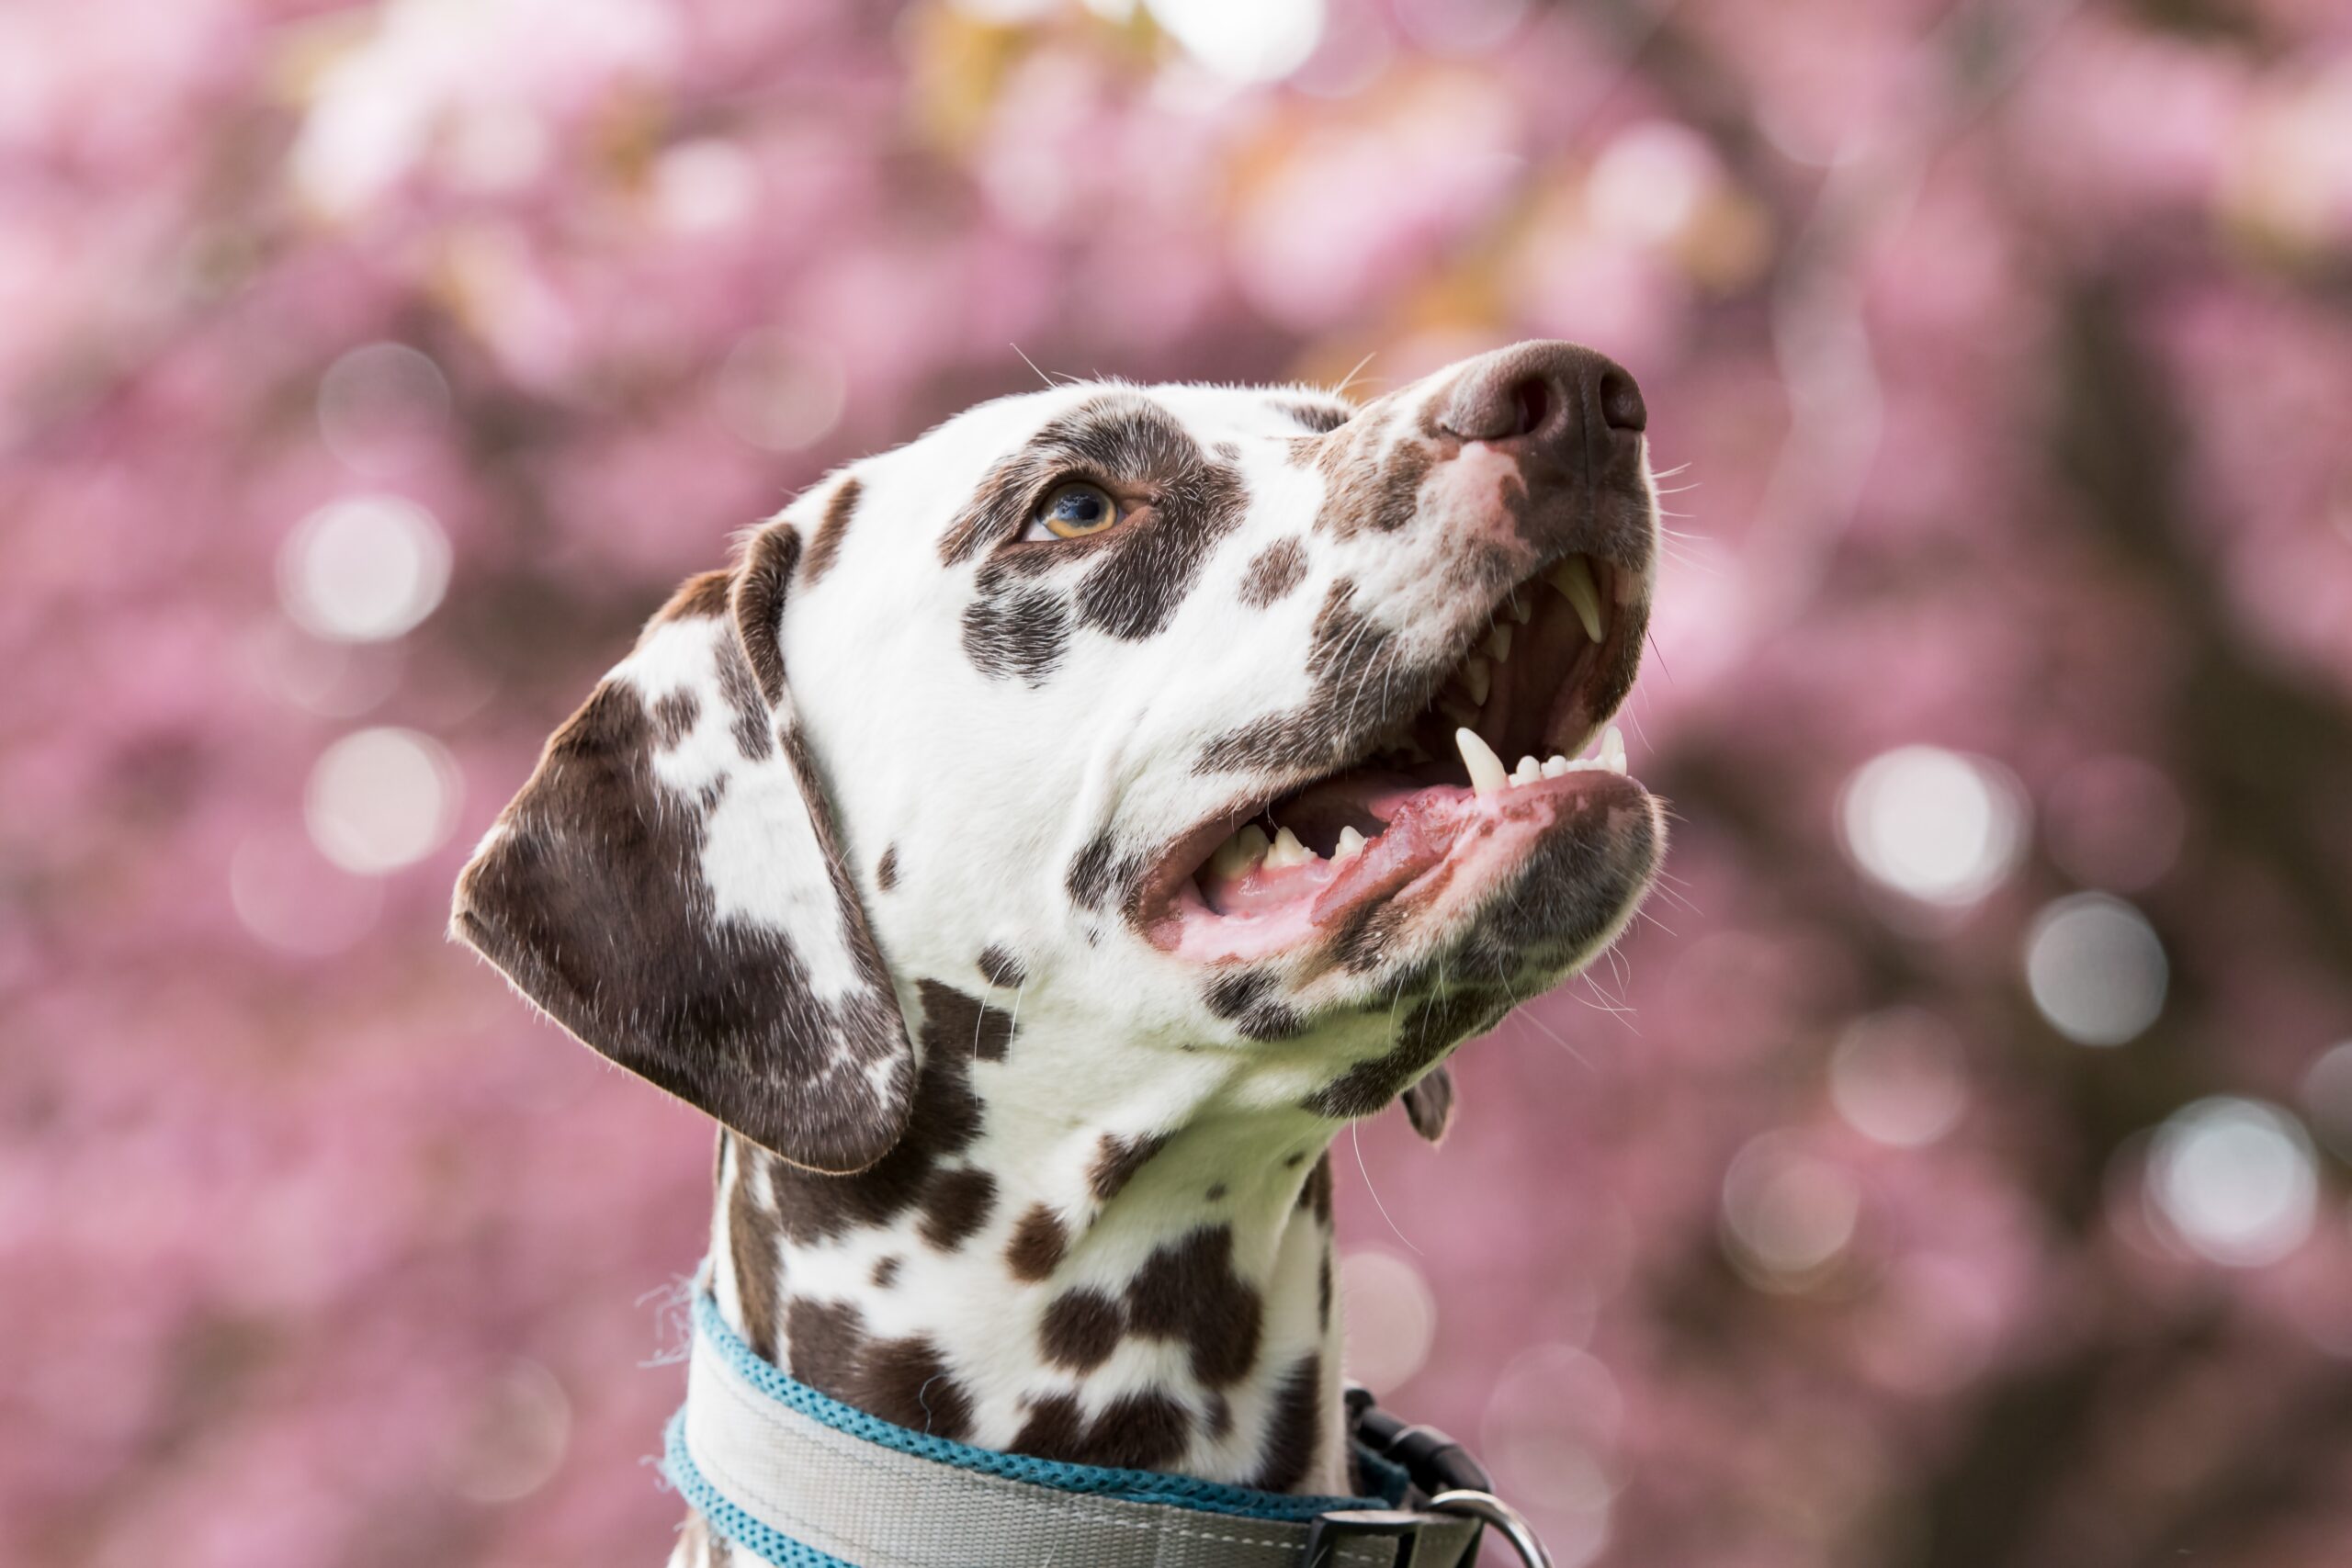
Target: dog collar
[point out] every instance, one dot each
(803, 1481)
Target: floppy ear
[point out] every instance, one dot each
(667, 886)
(1429, 1104)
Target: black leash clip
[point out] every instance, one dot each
(1441, 1471)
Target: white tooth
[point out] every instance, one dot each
(1555, 765)
(1239, 855)
(1612, 750)
(1287, 850)
(1528, 771)
(1351, 845)
(1522, 612)
(1477, 677)
(1573, 578)
(1487, 773)
(1498, 644)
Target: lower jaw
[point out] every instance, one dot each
(1430, 837)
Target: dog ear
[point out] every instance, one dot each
(1429, 1104)
(668, 887)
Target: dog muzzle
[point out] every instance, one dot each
(802, 1481)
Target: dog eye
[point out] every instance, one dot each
(1072, 512)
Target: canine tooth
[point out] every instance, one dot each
(1498, 643)
(1351, 845)
(1239, 855)
(1477, 677)
(1528, 771)
(1487, 773)
(1612, 750)
(1573, 578)
(1287, 850)
(1522, 613)
(1555, 765)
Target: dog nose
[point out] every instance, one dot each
(1559, 398)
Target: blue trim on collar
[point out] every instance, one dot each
(755, 1535)
(1127, 1486)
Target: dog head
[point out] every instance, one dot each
(1187, 715)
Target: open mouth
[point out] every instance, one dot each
(1513, 737)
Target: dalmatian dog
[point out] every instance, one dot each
(1051, 832)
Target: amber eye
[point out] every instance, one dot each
(1072, 511)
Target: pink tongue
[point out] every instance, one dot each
(1418, 828)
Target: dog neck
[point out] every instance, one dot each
(1115, 1257)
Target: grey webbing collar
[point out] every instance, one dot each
(805, 1482)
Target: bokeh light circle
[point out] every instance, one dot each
(2235, 1179)
(380, 799)
(1391, 1317)
(1460, 27)
(1550, 1435)
(518, 1436)
(1787, 1214)
(1243, 40)
(290, 898)
(363, 568)
(2327, 1098)
(1937, 825)
(781, 393)
(1897, 1078)
(2097, 970)
(379, 404)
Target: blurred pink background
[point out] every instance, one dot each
(1950, 1174)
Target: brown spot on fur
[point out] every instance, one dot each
(1116, 1160)
(760, 589)
(702, 596)
(751, 1242)
(1080, 1329)
(1056, 1429)
(906, 1380)
(1277, 569)
(1321, 418)
(839, 508)
(1023, 633)
(1037, 1245)
(886, 870)
(1316, 1194)
(945, 1116)
(754, 724)
(1297, 1424)
(1187, 1291)
(1215, 1193)
(1089, 873)
(903, 1381)
(886, 1272)
(674, 717)
(954, 1206)
(1245, 997)
(1002, 968)
(1139, 1431)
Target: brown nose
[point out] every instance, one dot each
(1565, 400)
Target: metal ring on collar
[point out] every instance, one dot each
(1506, 1520)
